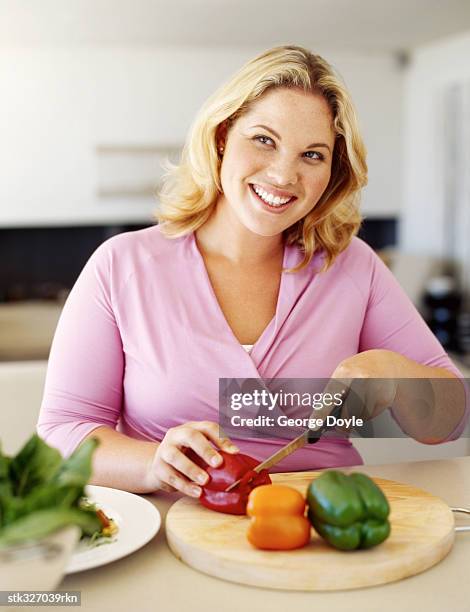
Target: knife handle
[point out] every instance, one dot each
(313, 436)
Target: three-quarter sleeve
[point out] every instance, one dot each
(392, 322)
(83, 388)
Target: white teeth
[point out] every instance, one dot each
(269, 198)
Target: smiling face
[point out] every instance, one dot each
(277, 160)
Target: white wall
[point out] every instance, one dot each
(376, 82)
(57, 104)
(432, 69)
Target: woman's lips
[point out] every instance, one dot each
(273, 208)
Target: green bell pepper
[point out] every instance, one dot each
(349, 512)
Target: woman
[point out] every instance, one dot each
(255, 252)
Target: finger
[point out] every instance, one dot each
(166, 487)
(356, 402)
(197, 441)
(212, 431)
(174, 457)
(338, 385)
(170, 476)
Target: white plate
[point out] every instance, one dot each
(138, 521)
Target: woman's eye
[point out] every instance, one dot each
(264, 139)
(314, 155)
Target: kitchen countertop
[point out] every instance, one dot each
(27, 329)
(153, 579)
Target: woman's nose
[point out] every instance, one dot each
(282, 172)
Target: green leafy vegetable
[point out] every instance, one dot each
(40, 492)
(33, 465)
(41, 523)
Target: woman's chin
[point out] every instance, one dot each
(263, 229)
(258, 222)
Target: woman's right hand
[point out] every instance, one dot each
(171, 470)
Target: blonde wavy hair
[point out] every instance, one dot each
(190, 189)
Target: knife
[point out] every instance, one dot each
(310, 436)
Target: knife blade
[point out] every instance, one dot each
(310, 436)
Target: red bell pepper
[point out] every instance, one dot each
(233, 468)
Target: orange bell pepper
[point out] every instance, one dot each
(277, 518)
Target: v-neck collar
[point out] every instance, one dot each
(290, 286)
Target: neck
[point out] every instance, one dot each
(223, 235)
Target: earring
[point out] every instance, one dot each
(221, 149)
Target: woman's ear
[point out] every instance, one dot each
(221, 137)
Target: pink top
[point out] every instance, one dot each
(142, 340)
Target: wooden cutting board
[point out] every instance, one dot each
(422, 534)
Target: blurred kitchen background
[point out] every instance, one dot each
(95, 94)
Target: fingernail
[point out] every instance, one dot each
(216, 460)
(232, 448)
(195, 491)
(202, 478)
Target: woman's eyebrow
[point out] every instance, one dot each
(274, 133)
